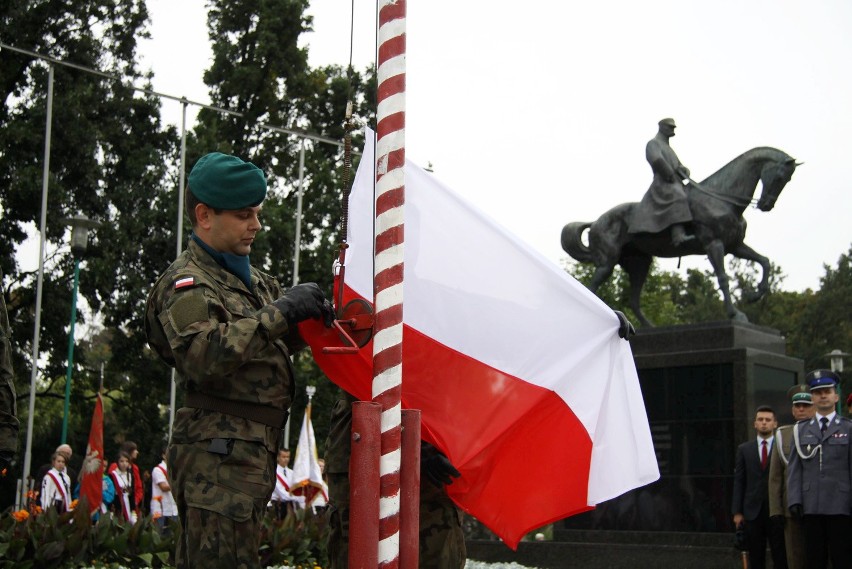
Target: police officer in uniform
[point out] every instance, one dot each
(819, 480)
(8, 401)
(228, 329)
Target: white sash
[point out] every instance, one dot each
(61, 487)
(122, 490)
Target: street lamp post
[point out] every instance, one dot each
(80, 225)
(836, 358)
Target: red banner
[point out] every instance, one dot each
(91, 475)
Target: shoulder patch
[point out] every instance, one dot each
(184, 282)
(188, 310)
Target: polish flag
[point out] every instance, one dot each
(91, 475)
(517, 368)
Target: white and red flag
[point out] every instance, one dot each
(307, 475)
(91, 475)
(517, 368)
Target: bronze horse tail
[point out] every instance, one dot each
(572, 241)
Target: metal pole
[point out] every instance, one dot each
(296, 249)
(40, 282)
(70, 366)
(179, 239)
(389, 271)
(298, 239)
(364, 488)
(409, 490)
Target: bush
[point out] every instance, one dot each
(50, 539)
(47, 540)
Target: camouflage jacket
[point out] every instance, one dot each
(8, 402)
(224, 341)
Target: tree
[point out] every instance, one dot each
(108, 153)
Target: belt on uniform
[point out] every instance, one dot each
(256, 412)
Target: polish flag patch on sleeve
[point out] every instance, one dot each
(184, 282)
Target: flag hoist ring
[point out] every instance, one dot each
(354, 325)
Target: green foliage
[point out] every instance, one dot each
(300, 538)
(53, 540)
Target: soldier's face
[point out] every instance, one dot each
(231, 231)
(283, 458)
(764, 423)
(59, 463)
(824, 399)
(802, 411)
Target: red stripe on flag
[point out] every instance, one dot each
(487, 422)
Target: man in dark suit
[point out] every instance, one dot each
(819, 477)
(751, 494)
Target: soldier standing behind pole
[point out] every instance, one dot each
(8, 401)
(779, 515)
(228, 329)
(819, 477)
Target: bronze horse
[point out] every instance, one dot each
(717, 206)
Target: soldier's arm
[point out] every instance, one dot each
(794, 477)
(776, 482)
(203, 339)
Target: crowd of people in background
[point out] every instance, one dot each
(793, 484)
(127, 492)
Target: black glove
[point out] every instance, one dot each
(438, 469)
(796, 510)
(625, 328)
(302, 302)
(6, 458)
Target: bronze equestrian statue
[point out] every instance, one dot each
(716, 227)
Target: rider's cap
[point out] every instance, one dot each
(822, 379)
(669, 122)
(226, 182)
(802, 397)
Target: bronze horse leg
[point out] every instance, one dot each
(637, 267)
(716, 253)
(743, 251)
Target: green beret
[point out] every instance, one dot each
(226, 182)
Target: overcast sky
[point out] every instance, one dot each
(538, 112)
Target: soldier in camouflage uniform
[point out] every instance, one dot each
(441, 536)
(228, 329)
(8, 402)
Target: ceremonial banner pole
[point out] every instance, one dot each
(388, 268)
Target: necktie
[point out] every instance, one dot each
(764, 454)
(824, 422)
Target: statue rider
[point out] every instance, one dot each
(664, 204)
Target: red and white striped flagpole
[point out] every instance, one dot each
(388, 275)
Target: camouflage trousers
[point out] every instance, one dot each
(441, 537)
(221, 499)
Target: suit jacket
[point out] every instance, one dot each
(751, 490)
(822, 483)
(778, 471)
